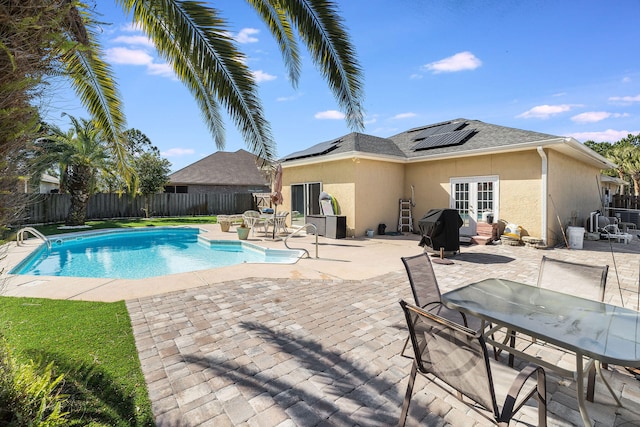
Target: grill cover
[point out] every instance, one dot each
(440, 228)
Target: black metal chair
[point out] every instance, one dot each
(458, 357)
(426, 292)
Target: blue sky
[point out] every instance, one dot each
(567, 68)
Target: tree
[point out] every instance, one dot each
(29, 34)
(626, 154)
(193, 37)
(81, 153)
(152, 174)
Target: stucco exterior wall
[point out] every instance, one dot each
(519, 184)
(367, 191)
(379, 188)
(575, 189)
(337, 178)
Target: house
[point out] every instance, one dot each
(221, 171)
(522, 177)
(47, 184)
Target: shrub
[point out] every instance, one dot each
(29, 392)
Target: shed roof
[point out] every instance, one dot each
(222, 168)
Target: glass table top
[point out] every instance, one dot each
(602, 331)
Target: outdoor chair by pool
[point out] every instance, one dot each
(253, 220)
(458, 357)
(279, 222)
(426, 292)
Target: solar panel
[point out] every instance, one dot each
(316, 150)
(435, 130)
(443, 140)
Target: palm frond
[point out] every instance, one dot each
(322, 30)
(193, 38)
(94, 84)
(280, 26)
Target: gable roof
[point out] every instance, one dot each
(452, 138)
(354, 141)
(222, 168)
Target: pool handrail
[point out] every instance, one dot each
(303, 227)
(34, 232)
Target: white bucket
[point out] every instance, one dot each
(576, 237)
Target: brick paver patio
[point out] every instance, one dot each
(285, 352)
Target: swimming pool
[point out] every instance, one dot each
(143, 253)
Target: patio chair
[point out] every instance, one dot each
(583, 280)
(458, 357)
(279, 222)
(426, 292)
(252, 219)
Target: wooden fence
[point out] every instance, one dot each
(53, 208)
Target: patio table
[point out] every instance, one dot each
(600, 332)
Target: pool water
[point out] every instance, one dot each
(142, 253)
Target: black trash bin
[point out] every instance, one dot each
(440, 229)
(381, 229)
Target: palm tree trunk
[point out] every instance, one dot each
(78, 182)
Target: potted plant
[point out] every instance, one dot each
(243, 231)
(224, 225)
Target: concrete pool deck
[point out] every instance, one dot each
(317, 343)
(347, 259)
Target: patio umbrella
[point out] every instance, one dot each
(276, 196)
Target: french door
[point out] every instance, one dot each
(473, 196)
(304, 201)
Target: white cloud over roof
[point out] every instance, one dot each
(545, 111)
(329, 115)
(596, 116)
(609, 135)
(459, 62)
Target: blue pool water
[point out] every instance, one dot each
(142, 253)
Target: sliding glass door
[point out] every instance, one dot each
(304, 201)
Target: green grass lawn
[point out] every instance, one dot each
(92, 344)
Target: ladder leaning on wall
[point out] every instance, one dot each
(405, 220)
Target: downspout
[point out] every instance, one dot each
(545, 192)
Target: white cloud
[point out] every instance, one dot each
(596, 116)
(329, 115)
(545, 111)
(261, 76)
(609, 135)
(403, 116)
(246, 35)
(626, 80)
(416, 76)
(177, 152)
(289, 98)
(123, 55)
(625, 99)
(163, 70)
(559, 94)
(126, 56)
(459, 62)
(134, 41)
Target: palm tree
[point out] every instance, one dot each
(80, 153)
(626, 154)
(193, 37)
